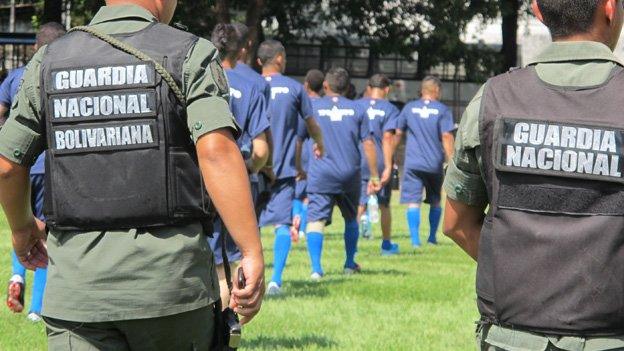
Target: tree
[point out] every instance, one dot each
(52, 11)
(510, 10)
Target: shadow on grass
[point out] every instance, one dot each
(308, 288)
(395, 272)
(286, 343)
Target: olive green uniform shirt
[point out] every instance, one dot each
(572, 64)
(129, 274)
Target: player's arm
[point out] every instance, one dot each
(368, 146)
(388, 147)
(314, 130)
(301, 174)
(223, 168)
(20, 143)
(260, 154)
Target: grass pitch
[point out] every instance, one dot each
(419, 300)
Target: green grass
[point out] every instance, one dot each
(415, 301)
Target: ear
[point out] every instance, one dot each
(610, 8)
(259, 62)
(325, 86)
(536, 11)
(387, 90)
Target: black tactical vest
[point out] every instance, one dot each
(551, 257)
(121, 155)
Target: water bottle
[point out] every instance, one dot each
(373, 209)
(365, 226)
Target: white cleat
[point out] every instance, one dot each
(33, 317)
(273, 289)
(316, 277)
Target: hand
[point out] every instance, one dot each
(386, 176)
(294, 229)
(30, 246)
(374, 185)
(301, 175)
(268, 171)
(319, 150)
(246, 302)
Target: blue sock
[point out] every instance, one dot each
(413, 221)
(17, 266)
(351, 234)
(315, 249)
(280, 252)
(304, 218)
(297, 207)
(434, 221)
(36, 301)
(386, 244)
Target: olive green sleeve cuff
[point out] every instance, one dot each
(465, 187)
(19, 143)
(209, 114)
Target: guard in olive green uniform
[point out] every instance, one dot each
(129, 264)
(542, 146)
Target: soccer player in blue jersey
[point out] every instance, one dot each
(383, 120)
(8, 90)
(243, 68)
(313, 86)
(429, 125)
(249, 108)
(288, 104)
(335, 179)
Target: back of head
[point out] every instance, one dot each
(226, 39)
(49, 32)
(568, 17)
(379, 81)
(431, 86)
(269, 50)
(314, 79)
(338, 80)
(242, 30)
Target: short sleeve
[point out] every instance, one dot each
(306, 104)
(392, 120)
(22, 137)
(365, 130)
(207, 92)
(258, 121)
(464, 181)
(447, 124)
(5, 91)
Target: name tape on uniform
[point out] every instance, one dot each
(105, 105)
(99, 137)
(102, 78)
(557, 149)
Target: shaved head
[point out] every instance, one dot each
(161, 9)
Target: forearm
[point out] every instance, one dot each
(298, 151)
(15, 194)
(371, 157)
(260, 154)
(225, 176)
(388, 147)
(448, 142)
(4, 114)
(314, 130)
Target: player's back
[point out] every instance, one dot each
(424, 122)
(243, 101)
(343, 124)
(255, 78)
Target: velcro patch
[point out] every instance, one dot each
(559, 149)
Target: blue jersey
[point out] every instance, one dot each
(344, 125)
(248, 107)
(425, 121)
(288, 105)
(255, 78)
(8, 90)
(382, 117)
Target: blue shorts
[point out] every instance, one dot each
(279, 209)
(383, 196)
(321, 206)
(301, 189)
(413, 183)
(37, 184)
(215, 242)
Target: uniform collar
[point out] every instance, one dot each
(122, 12)
(571, 51)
